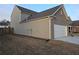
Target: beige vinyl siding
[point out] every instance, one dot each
(40, 28)
(24, 17)
(37, 28)
(59, 18)
(15, 19)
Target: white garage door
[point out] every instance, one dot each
(60, 31)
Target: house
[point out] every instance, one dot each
(75, 26)
(4, 25)
(48, 24)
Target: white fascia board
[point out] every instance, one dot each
(55, 11)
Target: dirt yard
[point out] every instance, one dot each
(21, 45)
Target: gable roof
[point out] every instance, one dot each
(46, 12)
(26, 10)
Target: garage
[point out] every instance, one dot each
(60, 31)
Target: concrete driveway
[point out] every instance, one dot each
(70, 39)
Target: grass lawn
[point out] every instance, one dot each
(21, 45)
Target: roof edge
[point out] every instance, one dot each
(25, 8)
(60, 6)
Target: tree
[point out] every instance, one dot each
(5, 22)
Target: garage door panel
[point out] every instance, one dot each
(59, 31)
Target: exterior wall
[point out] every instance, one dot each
(37, 28)
(15, 19)
(60, 18)
(75, 29)
(24, 16)
(41, 28)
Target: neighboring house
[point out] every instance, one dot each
(75, 26)
(4, 26)
(48, 24)
(4, 23)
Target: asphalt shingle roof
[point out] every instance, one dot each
(40, 14)
(75, 23)
(26, 10)
(46, 12)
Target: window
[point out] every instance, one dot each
(69, 29)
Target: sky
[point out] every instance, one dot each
(6, 9)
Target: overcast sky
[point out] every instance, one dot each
(71, 9)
